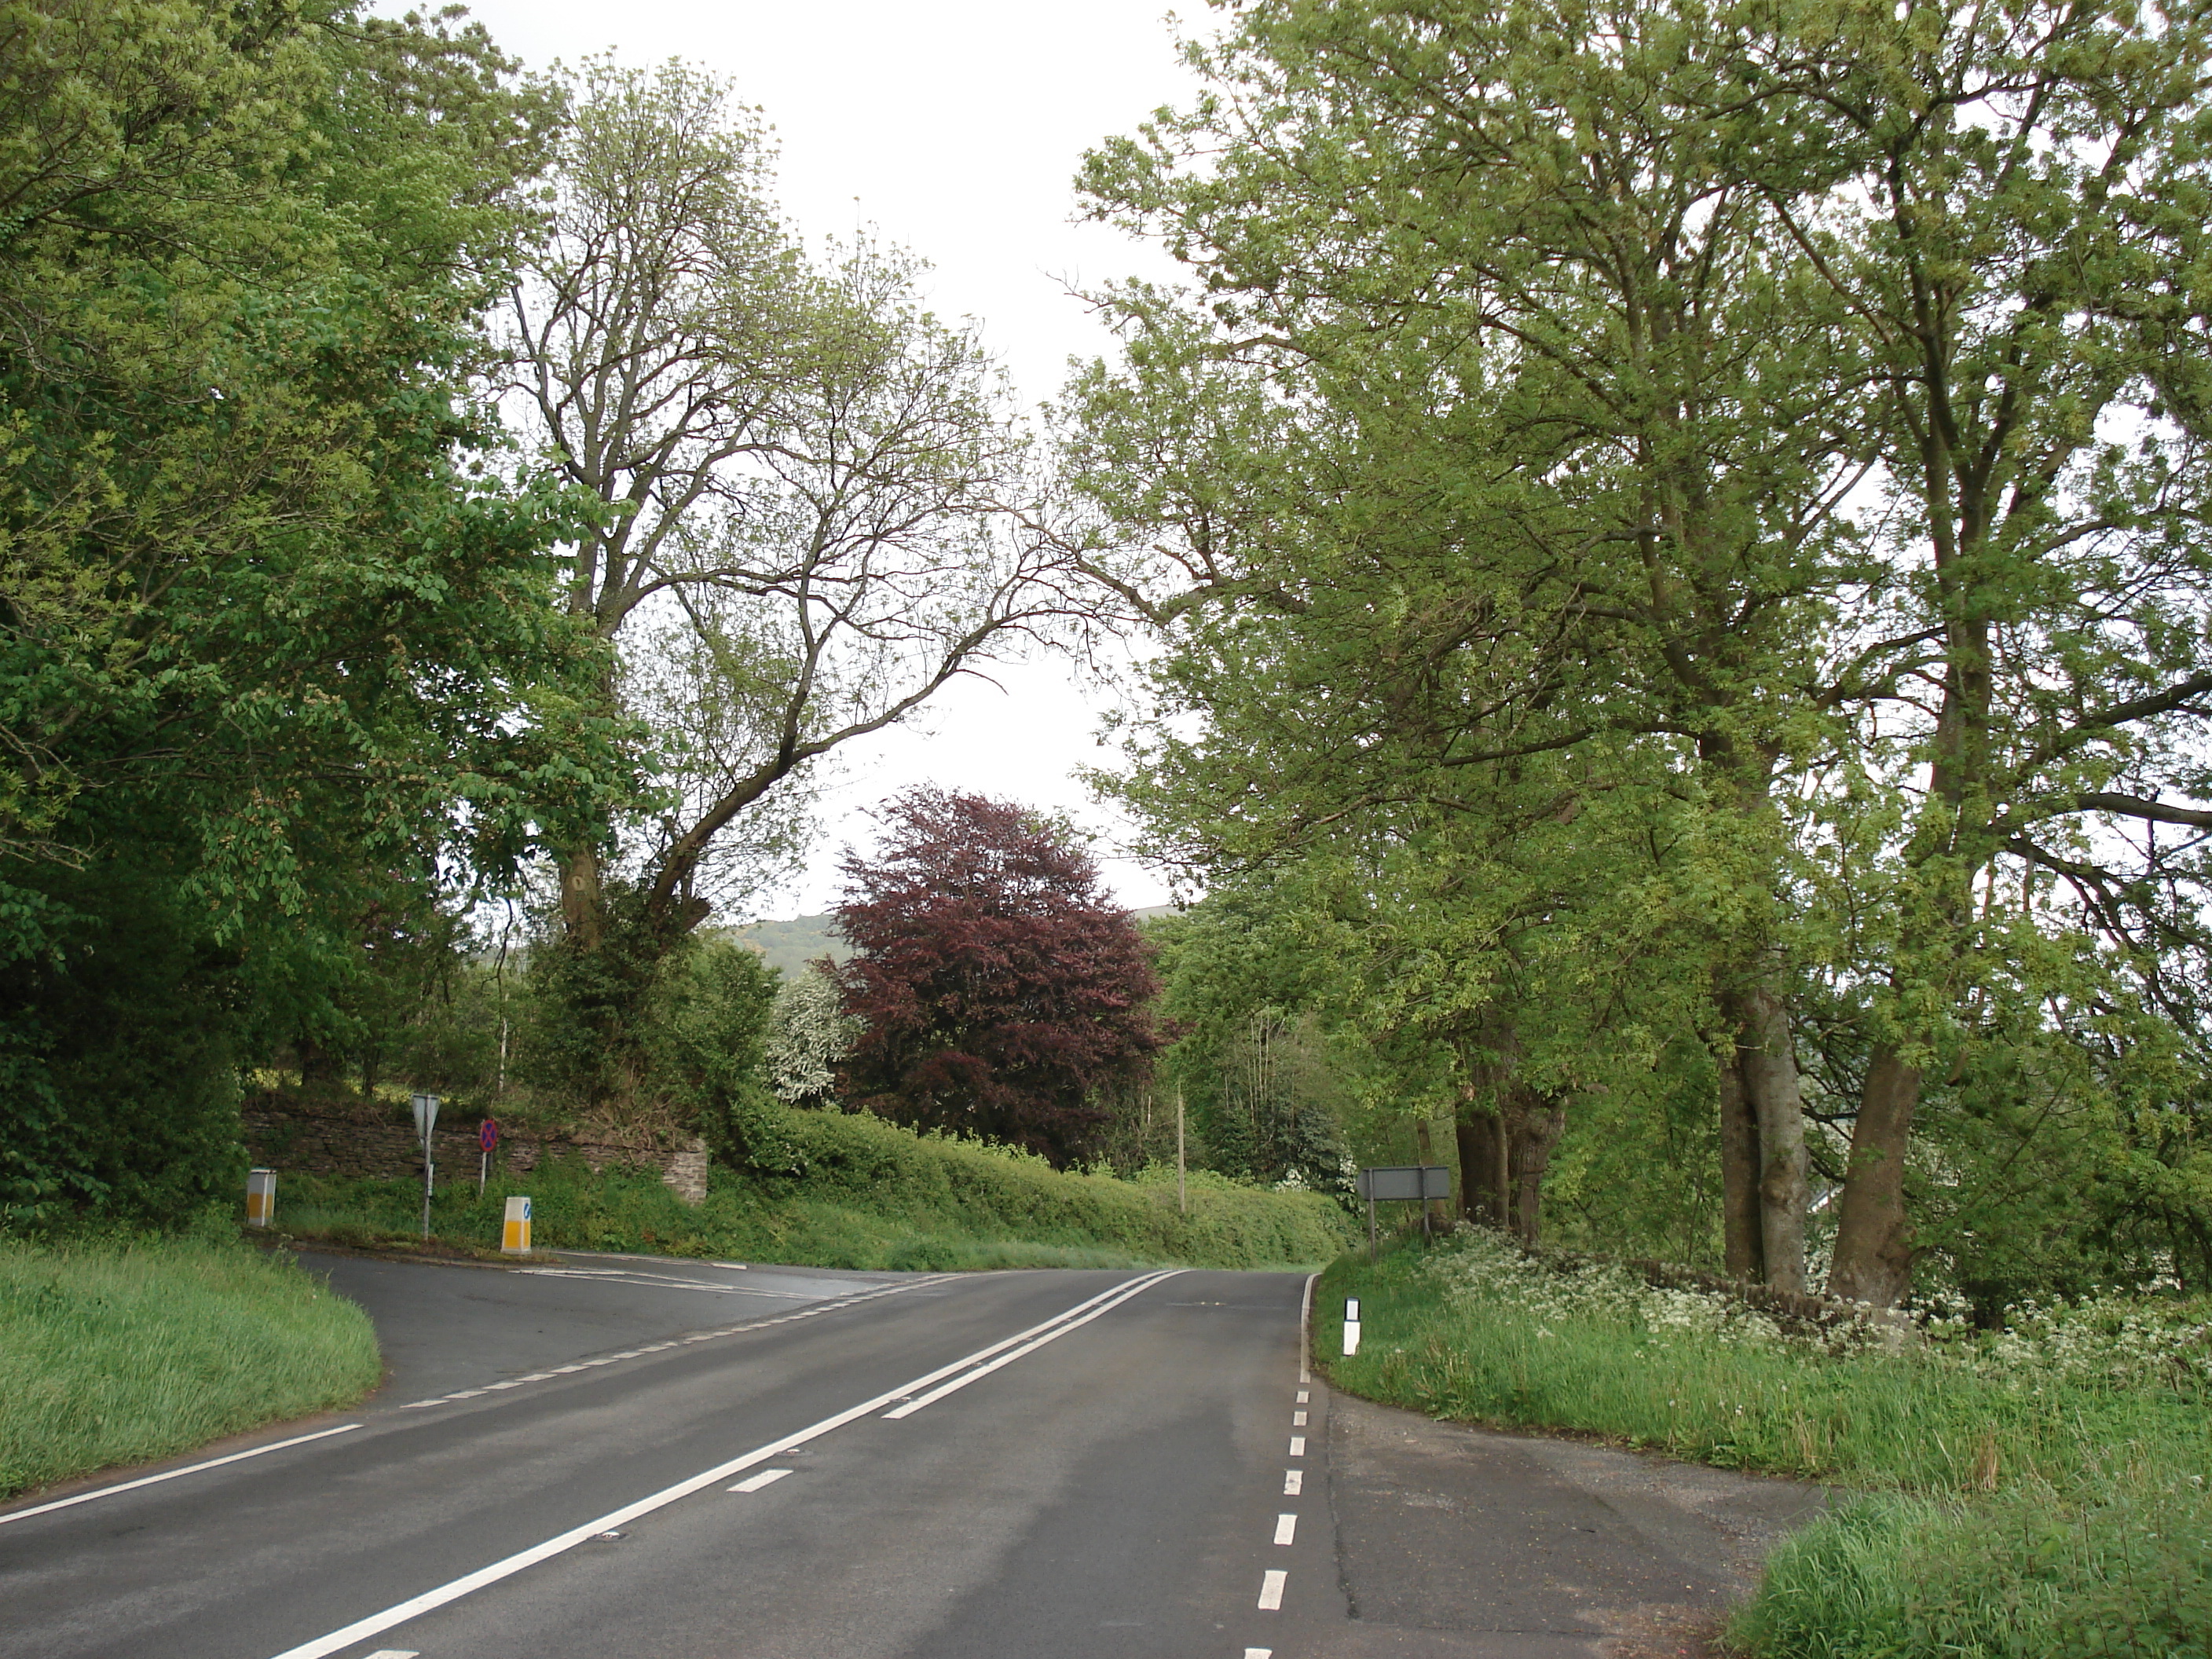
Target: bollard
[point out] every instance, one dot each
(260, 1197)
(515, 1239)
(1350, 1326)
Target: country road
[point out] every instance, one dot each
(627, 1459)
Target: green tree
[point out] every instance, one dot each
(816, 498)
(276, 635)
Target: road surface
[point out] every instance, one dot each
(618, 1458)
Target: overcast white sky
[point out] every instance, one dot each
(954, 128)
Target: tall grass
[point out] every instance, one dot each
(2028, 1515)
(869, 1194)
(117, 1351)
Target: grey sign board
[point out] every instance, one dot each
(1408, 1180)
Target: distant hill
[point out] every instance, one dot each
(790, 946)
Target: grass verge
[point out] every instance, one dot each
(119, 1351)
(867, 1194)
(2009, 1517)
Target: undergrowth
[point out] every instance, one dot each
(119, 1349)
(2027, 1497)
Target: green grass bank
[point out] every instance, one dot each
(2027, 1494)
(119, 1351)
(867, 1194)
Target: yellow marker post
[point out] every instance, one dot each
(260, 1197)
(515, 1240)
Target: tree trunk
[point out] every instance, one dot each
(583, 910)
(1481, 1138)
(1873, 1240)
(1742, 1238)
(1768, 1062)
(1536, 1129)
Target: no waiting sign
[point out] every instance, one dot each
(488, 1136)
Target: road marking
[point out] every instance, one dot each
(1294, 1482)
(765, 1478)
(1249, 1653)
(170, 1475)
(1270, 1591)
(377, 1623)
(394, 1653)
(1297, 1419)
(1302, 1396)
(1286, 1529)
(1105, 1304)
(831, 1306)
(1297, 1445)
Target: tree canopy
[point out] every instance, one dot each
(999, 987)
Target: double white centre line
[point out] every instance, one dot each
(917, 1394)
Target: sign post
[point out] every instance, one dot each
(1415, 1183)
(260, 1197)
(426, 1119)
(487, 1138)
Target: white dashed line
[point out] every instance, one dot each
(1297, 1419)
(1286, 1529)
(1294, 1482)
(1302, 1396)
(1249, 1653)
(662, 1348)
(1297, 1445)
(1270, 1591)
(765, 1478)
(395, 1653)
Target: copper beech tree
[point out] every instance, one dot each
(1000, 987)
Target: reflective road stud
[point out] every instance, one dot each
(1351, 1325)
(515, 1240)
(260, 1197)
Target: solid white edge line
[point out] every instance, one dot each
(170, 1475)
(377, 1623)
(1271, 1589)
(959, 1382)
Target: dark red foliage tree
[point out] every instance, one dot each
(1002, 990)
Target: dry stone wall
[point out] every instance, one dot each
(284, 1135)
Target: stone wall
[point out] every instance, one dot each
(331, 1139)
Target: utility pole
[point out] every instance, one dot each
(1182, 1198)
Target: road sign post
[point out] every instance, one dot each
(1414, 1183)
(426, 1119)
(260, 1197)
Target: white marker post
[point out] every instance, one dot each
(514, 1237)
(1350, 1326)
(426, 1119)
(260, 1197)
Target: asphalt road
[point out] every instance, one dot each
(627, 1459)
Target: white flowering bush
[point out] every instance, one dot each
(2113, 1339)
(1478, 1265)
